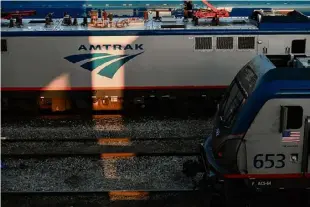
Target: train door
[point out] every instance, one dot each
(274, 141)
(281, 45)
(272, 44)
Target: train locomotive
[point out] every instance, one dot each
(260, 139)
(96, 63)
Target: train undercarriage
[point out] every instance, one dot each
(36, 102)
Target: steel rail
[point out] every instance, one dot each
(104, 148)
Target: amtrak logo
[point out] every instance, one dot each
(102, 58)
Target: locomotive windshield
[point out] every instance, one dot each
(239, 90)
(247, 79)
(232, 103)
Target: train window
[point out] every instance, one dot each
(4, 46)
(247, 78)
(232, 104)
(224, 43)
(294, 117)
(245, 43)
(203, 43)
(298, 46)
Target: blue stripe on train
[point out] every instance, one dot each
(153, 32)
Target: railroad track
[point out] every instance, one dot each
(107, 158)
(94, 139)
(73, 189)
(150, 198)
(175, 198)
(102, 147)
(133, 162)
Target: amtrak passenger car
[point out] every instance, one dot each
(60, 67)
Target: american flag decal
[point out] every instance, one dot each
(289, 136)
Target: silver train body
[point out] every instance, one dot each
(59, 67)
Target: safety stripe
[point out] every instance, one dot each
(267, 176)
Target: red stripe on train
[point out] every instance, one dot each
(267, 176)
(110, 88)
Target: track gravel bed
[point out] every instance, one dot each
(89, 174)
(106, 126)
(84, 174)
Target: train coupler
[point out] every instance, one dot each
(191, 168)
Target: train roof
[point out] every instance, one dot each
(275, 82)
(152, 3)
(272, 22)
(290, 82)
(287, 74)
(296, 77)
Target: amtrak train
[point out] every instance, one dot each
(261, 129)
(55, 65)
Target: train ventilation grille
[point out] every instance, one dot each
(224, 43)
(203, 43)
(246, 43)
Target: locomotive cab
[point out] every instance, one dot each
(261, 128)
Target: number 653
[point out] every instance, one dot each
(269, 161)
